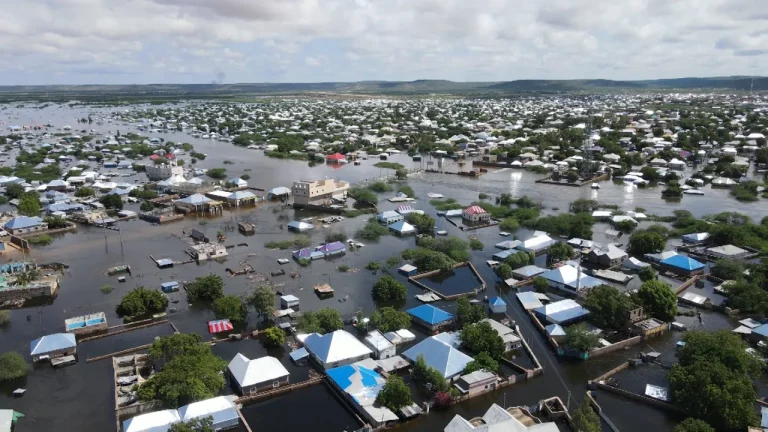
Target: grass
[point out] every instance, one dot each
(343, 268)
(372, 231)
(42, 240)
(304, 262)
(393, 261)
(380, 187)
(445, 205)
(106, 289)
(298, 242)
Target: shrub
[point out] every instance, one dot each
(12, 366)
(304, 262)
(540, 284)
(372, 231)
(5, 317)
(141, 302)
(476, 244)
(373, 266)
(42, 240)
(335, 237)
(343, 268)
(274, 337)
(106, 289)
(388, 288)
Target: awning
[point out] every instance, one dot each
(219, 326)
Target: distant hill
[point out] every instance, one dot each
(180, 91)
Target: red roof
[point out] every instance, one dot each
(219, 326)
(170, 156)
(336, 156)
(155, 156)
(474, 210)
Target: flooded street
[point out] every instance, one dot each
(83, 394)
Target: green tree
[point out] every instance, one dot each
(467, 313)
(504, 271)
(56, 222)
(428, 376)
(585, 419)
(274, 337)
(146, 206)
(216, 173)
(262, 300)
(230, 307)
(728, 269)
(29, 205)
(747, 297)
(579, 338)
(584, 206)
(112, 201)
(482, 361)
(388, 288)
(647, 273)
(658, 300)
(644, 242)
(206, 289)
(389, 319)
(14, 190)
(540, 284)
(481, 337)
(85, 192)
(560, 251)
(608, 307)
(165, 348)
(204, 424)
(509, 224)
(140, 302)
(371, 231)
(12, 366)
(517, 260)
(476, 244)
(395, 394)
(324, 320)
(423, 223)
(693, 425)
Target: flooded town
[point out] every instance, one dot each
(559, 262)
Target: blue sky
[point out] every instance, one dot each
(200, 41)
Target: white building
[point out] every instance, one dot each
(163, 171)
(152, 422)
(221, 409)
(252, 376)
(497, 419)
(381, 346)
(205, 251)
(336, 349)
(511, 340)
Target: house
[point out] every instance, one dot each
(477, 382)
(319, 192)
(221, 409)
(430, 316)
(555, 331)
(381, 346)
(158, 421)
(238, 182)
(527, 272)
(498, 419)
(58, 185)
(529, 300)
(25, 224)
(332, 249)
(300, 226)
(289, 301)
(402, 228)
(205, 251)
(52, 346)
(728, 251)
(537, 244)
(335, 349)
(570, 279)
(682, 265)
(197, 203)
(511, 340)
(694, 237)
(408, 270)
(438, 354)
(360, 384)
(476, 215)
(606, 257)
(253, 376)
(561, 312)
(389, 217)
(280, 193)
(497, 305)
(163, 171)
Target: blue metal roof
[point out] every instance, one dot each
(683, 262)
(51, 343)
(402, 226)
(299, 354)
(430, 314)
(20, 222)
(497, 301)
(761, 330)
(343, 375)
(446, 359)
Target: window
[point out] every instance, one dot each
(276, 384)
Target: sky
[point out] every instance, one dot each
(243, 41)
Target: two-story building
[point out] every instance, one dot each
(319, 192)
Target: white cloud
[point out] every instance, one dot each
(312, 40)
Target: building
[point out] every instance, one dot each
(332, 249)
(289, 301)
(300, 226)
(402, 228)
(497, 419)
(695, 237)
(25, 224)
(497, 305)
(527, 272)
(86, 324)
(336, 349)
(606, 257)
(198, 203)
(360, 384)
(439, 354)
(381, 346)
(480, 381)
(682, 265)
(529, 300)
(205, 251)
(158, 421)
(319, 192)
(430, 316)
(561, 312)
(238, 182)
(538, 244)
(221, 409)
(570, 279)
(389, 217)
(728, 251)
(163, 171)
(511, 340)
(52, 346)
(253, 376)
(476, 215)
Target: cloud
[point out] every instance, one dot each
(76, 41)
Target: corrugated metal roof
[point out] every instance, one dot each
(335, 347)
(221, 409)
(51, 343)
(446, 359)
(430, 314)
(261, 370)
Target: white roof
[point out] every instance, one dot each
(497, 419)
(377, 340)
(221, 408)
(335, 347)
(251, 372)
(158, 421)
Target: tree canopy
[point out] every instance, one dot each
(560, 251)
(387, 288)
(467, 313)
(644, 242)
(585, 419)
(481, 337)
(395, 394)
(658, 300)
(608, 307)
(389, 319)
(482, 361)
(262, 300)
(274, 337)
(29, 205)
(205, 289)
(230, 307)
(579, 338)
(424, 223)
(204, 424)
(428, 376)
(727, 269)
(693, 425)
(141, 302)
(12, 366)
(324, 320)
(112, 201)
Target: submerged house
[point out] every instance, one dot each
(430, 317)
(335, 349)
(502, 420)
(609, 256)
(389, 217)
(561, 312)
(476, 215)
(221, 409)
(53, 346)
(332, 249)
(360, 385)
(253, 376)
(439, 354)
(402, 228)
(152, 422)
(682, 265)
(24, 225)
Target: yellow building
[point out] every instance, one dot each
(319, 192)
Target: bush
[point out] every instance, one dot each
(540, 284)
(274, 337)
(373, 266)
(343, 268)
(372, 231)
(12, 366)
(482, 196)
(42, 240)
(424, 224)
(335, 237)
(509, 224)
(205, 289)
(230, 307)
(579, 338)
(325, 320)
(476, 244)
(304, 262)
(141, 302)
(728, 269)
(393, 261)
(216, 173)
(380, 187)
(389, 319)
(388, 288)
(84, 192)
(106, 289)
(56, 222)
(647, 273)
(146, 206)
(407, 190)
(112, 201)
(503, 271)
(363, 195)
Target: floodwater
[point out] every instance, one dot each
(459, 281)
(83, 394)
